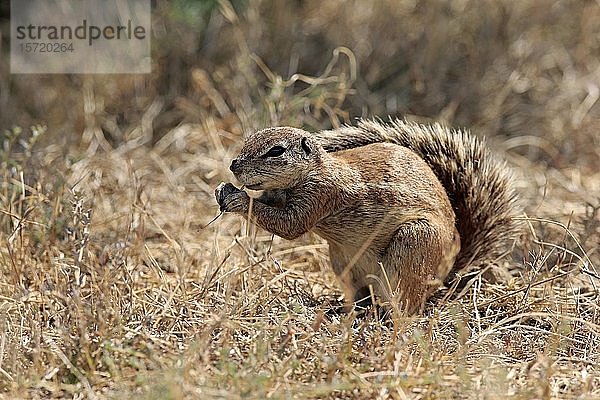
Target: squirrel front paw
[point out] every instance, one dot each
(230, 198)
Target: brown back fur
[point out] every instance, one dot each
(478, 185)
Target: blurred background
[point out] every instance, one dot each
(527, 70)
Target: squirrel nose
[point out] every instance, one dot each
(234, 165)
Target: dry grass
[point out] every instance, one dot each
(112, 287)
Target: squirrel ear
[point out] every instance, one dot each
(305, 146)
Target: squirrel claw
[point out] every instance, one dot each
(222, 192)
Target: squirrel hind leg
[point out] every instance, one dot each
(416, 262)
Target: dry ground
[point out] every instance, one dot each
(112, 286)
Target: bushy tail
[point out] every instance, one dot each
(478, 184)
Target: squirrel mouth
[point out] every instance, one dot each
(256, 186)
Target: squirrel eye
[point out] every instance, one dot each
(275, 151)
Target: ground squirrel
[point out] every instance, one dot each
(400, 204)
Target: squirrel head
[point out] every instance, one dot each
(276, 158)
